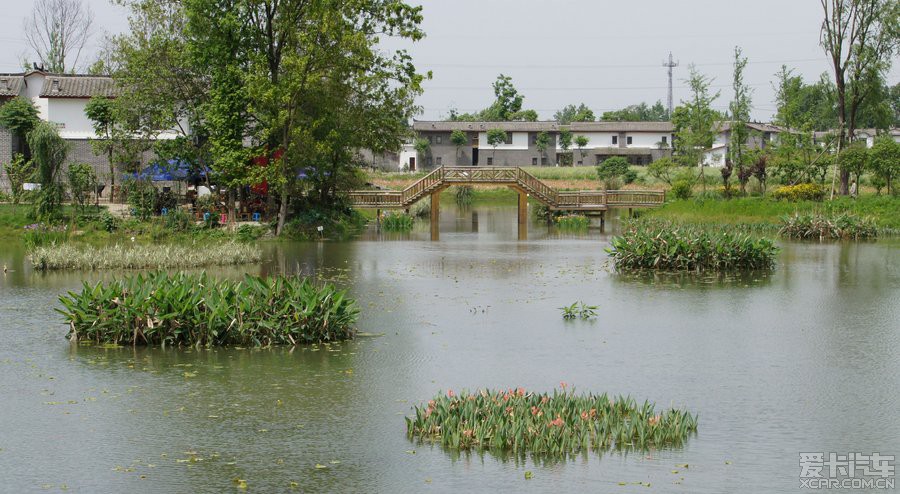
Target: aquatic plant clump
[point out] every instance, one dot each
(573, 222)
(557, 424)
(818, 226)
(140, 256)
(397, 222)
(672, 247)
(196, 310)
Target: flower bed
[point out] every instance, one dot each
(556, 424)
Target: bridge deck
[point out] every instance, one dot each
(514, 177)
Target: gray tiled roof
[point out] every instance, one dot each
(77, 86)
(425, 126)
(10, 85)
(621, 127)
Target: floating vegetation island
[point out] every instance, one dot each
(139, 256)
(557, 424)
(667, 246)
(196, 310)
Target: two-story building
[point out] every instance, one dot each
(61, 100)
(639, 142)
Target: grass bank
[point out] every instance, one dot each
(197, 310)
(768, 213)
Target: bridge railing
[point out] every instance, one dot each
(423, 185)
(532, 184)
(581, 198)
(376, 198)
(635, 197)
(480, 174)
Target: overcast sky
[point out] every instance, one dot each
(605, 54)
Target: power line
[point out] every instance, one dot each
(561, 88)
(604, 66)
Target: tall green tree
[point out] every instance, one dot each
(495, 137)
(739, 109)
(695, 122)
(860, 37)
(18, 172)
(459, 139)
(507, 106)
(542, 142)
(19, 115)
(572, 113)
(884, 160)
(565, 143)
(640, 112)
(581, 142)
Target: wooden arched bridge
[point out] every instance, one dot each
(526, 184)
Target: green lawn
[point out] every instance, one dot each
(761, 210)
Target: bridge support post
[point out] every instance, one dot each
(523, 215)
(436, 216)
(602, 221)
(378, 220)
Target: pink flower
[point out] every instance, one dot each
(654, 419)
(430, 403)
(584, 415)
(520, 392)
(557, 422)
(450, 393)
(562, 384)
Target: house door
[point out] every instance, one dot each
(474, 156)
(412, 163)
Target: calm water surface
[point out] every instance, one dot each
(803, 359)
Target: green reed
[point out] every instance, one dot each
(182, 309)
(143, 256)
(397, 222)
(819, 226)
(555, 424)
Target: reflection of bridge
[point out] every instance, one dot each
(515, 178)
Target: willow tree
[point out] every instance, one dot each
(48, 152)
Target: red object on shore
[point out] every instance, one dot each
(263, 188)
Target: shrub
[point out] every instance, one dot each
(109, 222)
(141, 197)
(556, 425)
(397, 222)
(800, 192)
(682, 189)
(573, 222)
(18, 171)
(662, 245)
(422, 209)
(82, 182)
(185, 309)
(179, 220)
(630, 176)
(840, 226)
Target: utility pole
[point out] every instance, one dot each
(670, 64)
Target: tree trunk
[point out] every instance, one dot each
(282, 212)
(229, 206)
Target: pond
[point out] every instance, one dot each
(804, 359)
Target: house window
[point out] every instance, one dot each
(508, 138)
(438, 161)
(543, 161)
(533, 161)
(428, 161)
(580, 162)
(665, 140)
(615, 139)
(430, 139)
(628, 140)
(534, 138)
(438, 139)
(490, 161)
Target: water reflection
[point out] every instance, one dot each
(802, 359)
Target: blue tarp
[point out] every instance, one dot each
(169, 171)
